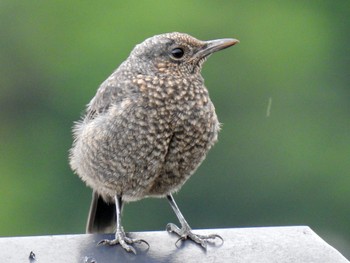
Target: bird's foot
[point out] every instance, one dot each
(186, 233)
(124, 241)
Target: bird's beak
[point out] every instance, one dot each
(212, 46)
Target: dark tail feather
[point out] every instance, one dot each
(102, 216)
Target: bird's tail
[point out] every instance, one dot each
(102, 216)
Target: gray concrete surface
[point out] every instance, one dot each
(297, 244)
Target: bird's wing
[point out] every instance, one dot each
(111, 91)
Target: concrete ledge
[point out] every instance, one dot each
(254, 245)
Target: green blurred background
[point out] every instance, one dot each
(289, 168)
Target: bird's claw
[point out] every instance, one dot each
(186, 233)
(124, 241)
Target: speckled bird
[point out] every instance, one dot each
(146, 131)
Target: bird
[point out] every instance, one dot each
(146, 131)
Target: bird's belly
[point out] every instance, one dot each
(143, 159)
(123, 160)
(187, 149)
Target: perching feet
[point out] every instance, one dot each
(186, 233)
(124, 241)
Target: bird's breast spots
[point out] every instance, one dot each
(161, 66)
(169, 83)
(170, 91)
(155, 81)
(167, 69)
(142, 85)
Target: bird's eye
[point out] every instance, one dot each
(177, 52)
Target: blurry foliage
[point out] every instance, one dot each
(289, 168)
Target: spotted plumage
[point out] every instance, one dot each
(150, 124)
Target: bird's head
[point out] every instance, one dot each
(175, 53)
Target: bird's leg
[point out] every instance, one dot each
(120, 236)
(185, 232)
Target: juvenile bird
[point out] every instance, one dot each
(148, 128)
